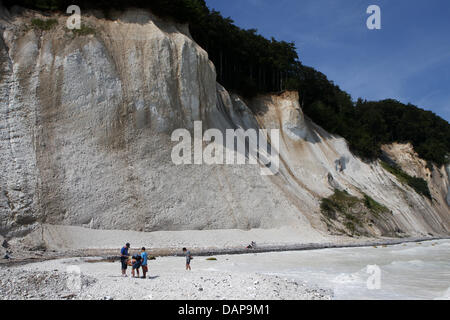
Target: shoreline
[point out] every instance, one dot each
(299, 275)
(310, 246)
(237, 273)
(111, 254)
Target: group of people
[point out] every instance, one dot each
(137, 261)
(140, 260)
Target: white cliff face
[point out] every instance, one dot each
(315, 163)
(85, 133)
(438, 178)
(85, 126)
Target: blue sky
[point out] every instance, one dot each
(408, 59)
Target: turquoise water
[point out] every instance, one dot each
(407, 271)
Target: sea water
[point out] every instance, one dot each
(406, 271)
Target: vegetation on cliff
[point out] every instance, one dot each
(43, 24)
(350, 215)
(418, 184)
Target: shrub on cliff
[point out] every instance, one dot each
(44, 24)
(418, 184)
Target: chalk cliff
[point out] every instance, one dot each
(85, 139)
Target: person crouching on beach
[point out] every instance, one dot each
(144, 263)
(124, 259)
(188, 258)
(136, 265)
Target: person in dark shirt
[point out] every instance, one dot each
(136, 265)
(124, 258)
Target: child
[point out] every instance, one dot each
(136, 265)
(188, 258)
(144, 263)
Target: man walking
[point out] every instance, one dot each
(188, 258)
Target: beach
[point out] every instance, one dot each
(414, 270)
(167, 279)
